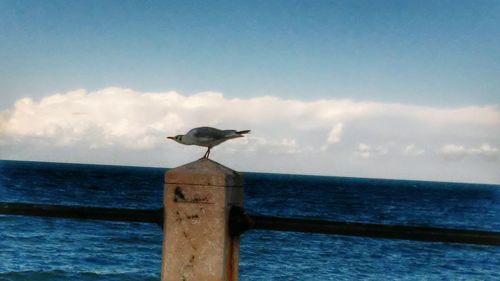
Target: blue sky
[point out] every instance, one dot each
(387, 89)
(423, 52)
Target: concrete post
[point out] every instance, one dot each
(196, 241)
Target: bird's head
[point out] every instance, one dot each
(177, 138)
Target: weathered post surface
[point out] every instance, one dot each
(196, 241)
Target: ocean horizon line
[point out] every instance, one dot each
(256, 172)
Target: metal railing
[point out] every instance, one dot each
(240, 222)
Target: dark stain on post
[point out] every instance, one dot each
(178, 217)
(203, 200)
(186, 235)
(179, 196)
(190, 217)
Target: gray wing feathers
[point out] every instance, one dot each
(213, 133)
(209, 133)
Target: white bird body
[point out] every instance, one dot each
(207, 137)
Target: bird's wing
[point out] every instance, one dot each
(207, 133)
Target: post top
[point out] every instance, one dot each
(204, 172)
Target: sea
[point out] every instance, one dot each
(33, 248)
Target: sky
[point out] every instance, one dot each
(384, 89)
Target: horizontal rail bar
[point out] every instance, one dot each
(78, 212)
(242, 222)
(378, 230)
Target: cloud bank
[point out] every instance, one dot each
(333, 137)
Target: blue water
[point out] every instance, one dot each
(64, 249)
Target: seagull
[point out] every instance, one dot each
(207, 137)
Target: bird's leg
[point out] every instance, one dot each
(206, 153)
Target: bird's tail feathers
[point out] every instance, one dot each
(243, 132)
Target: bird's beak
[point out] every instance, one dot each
(172, 138)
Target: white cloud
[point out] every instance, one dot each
(101, 123)
(366, 151)
(413, 150)
(335, 134)
(457, 152)
(260, 144)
